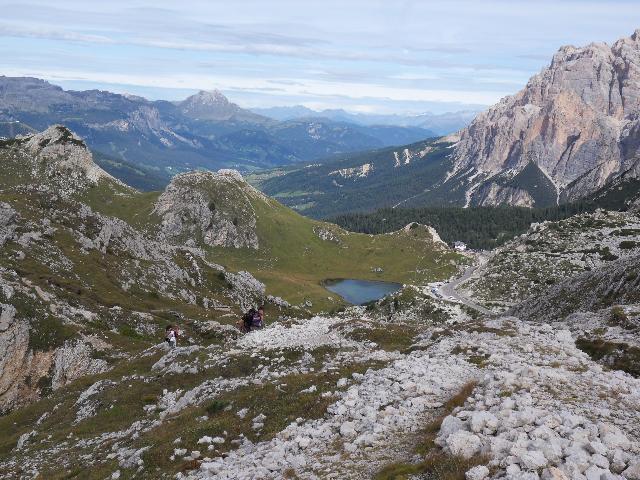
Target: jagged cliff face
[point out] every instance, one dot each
(209, 208)
(577, 122)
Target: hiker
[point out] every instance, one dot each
(258, 319)
(171, 335)
(252, 320)
(245, 323)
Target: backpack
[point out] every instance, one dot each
(247, 319)
(256, 321)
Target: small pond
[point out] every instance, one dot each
(359, 292)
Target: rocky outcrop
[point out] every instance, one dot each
(213, 209)
(247, 291)
(430, 234)
(551, 254)
(56, 161)
(14, 342)
(494, 194)
(615, 283)
(7, 222)
(59, 152)
(577, 121)
(73, 361)
(27, 373)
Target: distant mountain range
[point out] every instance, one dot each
(157, 139)
(571, 132)
(440, 124)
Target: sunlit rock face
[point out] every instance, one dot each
(577, 121)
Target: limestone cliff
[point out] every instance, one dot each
(577, 122)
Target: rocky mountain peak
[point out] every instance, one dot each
(210, 104)
(213, 105)
(211, 97)
(210, 208)
(54, 135)
(571, 122)
(58, 160)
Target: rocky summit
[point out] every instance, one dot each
(574, 127)
(189, 208)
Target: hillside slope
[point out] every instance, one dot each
(81, 289)
(406, 176)
(93, 270)
(615, 283)
(292, 254)
(551, 252)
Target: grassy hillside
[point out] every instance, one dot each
(293, 259)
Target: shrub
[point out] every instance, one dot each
(618, 315)
(616, 355)
(216, 406)
(606, 255)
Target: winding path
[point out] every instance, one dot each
(449, 292)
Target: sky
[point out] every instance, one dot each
(368, 56)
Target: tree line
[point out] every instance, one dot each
(478, 227)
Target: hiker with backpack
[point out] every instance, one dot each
(171, 335)
(252, 320)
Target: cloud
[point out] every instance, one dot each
(415, 76)
(357, 52)
(8, 30)
(535, 56)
